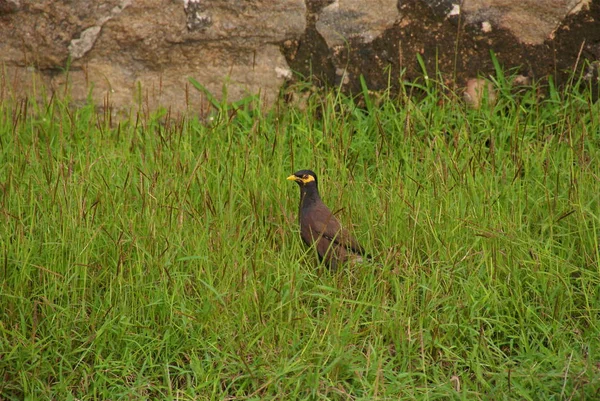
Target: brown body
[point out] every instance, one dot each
(320, 228)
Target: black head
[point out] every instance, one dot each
(304, 178)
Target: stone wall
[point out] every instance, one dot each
(140, 54)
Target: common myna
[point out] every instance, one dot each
(319, 227)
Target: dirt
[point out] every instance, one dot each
(448, 48)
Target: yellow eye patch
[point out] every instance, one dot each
(305, 179)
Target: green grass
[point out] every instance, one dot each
(161, 259)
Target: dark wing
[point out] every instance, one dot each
(321, 223)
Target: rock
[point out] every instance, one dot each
(141, 54)
(244, 22)
(530, 21)
(479, 90)
(521, 80)
(79, 47)
(9, 6)
(348, 19)
(453, 39)
(18, 82)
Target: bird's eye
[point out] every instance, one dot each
(305, 176)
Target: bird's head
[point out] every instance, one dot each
(304, 178)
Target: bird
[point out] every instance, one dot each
(319, 227)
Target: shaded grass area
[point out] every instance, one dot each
(162, 260)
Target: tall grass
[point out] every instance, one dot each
(160, 258)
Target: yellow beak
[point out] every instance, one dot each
(292, 178)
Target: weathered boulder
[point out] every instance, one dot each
(530, 21)
(454, 38)
(140, 54)
(349, 19)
